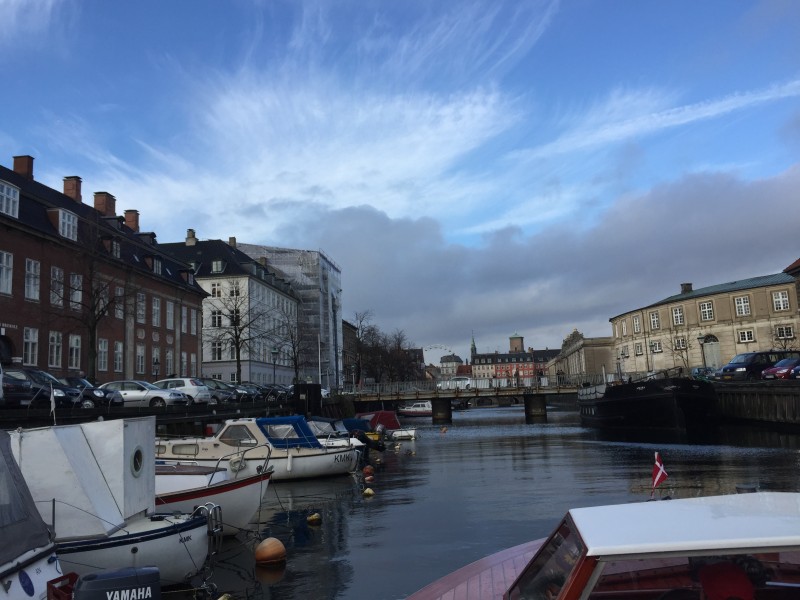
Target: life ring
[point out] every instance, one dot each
(237, 464)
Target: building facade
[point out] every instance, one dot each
(583, 359)
(516, 365)
(709, 326)
(317, 282)
(84, 292)
(249, 313)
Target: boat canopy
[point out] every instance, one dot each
(387, 418)
(20, 520)
(288, 432)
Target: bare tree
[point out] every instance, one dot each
(291, 336)
(783, 337)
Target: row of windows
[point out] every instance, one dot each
(261, 295)
(782, 332)
(55, 348)
(780, 303)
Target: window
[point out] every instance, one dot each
(624, 328)
(74, 352)
(119, 302)
(236, 290)
(75, 291)
(780, 300)
(655, 322)
(216, 350)
(157, 266)
(742, 306)
(184, 318)
(677, 315)
(637, 324)
(102, 354)
(115, 249)
(170, 360)
(184, 366)
(784, 332)
(156, 360)
(6, 270)
(193, 322)
(9, 199)
(30, 346)
(637, 348)
(56, 286)
(54, 349)
(232, 378)
(216, 318)
(68, 225)
(680, 343)
(217, 266)
(193, 364)
(140, 309)
(118, 357)
(140, 359)
(706, 311)
(156, 312)
(655, 346)
(236, 319)
(746, 335)
(31, 279)
(216, 290)
(170, 315)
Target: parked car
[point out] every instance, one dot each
(274, 392)
(221, 392)
(749, 365)
(137, 393)
(249, 392)
(42, 383)
(101, 397)
(704, 373)
(795, 374)
(455, 383)
(781, 370)
(195, 389)
(15, 391)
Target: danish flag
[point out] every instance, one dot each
(659, 473)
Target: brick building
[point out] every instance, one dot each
(83, 291)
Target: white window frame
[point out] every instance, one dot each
(68, 225)
(677, 315)
(6, 272)
(74, 352)
(193, 322)
(30, 346)
(680, 343)
(655, 320)
(119, 302)
(184, 364)
(75, 291)
(184, 318)
(637, 348)
(140, 359)
(216, 289)
(102, 354)
(156, 265)
(54, 349)
(169, 358)
(170, 315)
(141, 309)
(9, 199)
(32, 279)
(624, 327)
(745, 336)
(706, 311)
(780, 301)
(216, 318)
(118, 356)
(637, 324)
(56, 286)
(156, 313)
(193, 365)
(655, 347)
(116, 249)
(216, 351)
(742, 304)
(784, 332)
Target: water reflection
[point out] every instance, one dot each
(488, 483)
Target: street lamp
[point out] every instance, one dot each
(156, 364)
(701, 339)
(274, 360)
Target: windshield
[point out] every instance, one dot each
(148, 385)
(742, 358)
(786, 362)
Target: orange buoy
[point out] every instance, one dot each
(270, 551)
(369, 470)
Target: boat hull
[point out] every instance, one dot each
(27, 575)
(177, 544)
(239, 499)
(675, 403)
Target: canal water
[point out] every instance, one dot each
(488, 482)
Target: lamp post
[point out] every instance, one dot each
(274, 360)
(701, 339)
(156, 365)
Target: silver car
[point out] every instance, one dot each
(144, 393)
(197, 391)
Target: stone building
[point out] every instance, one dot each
(583, 359)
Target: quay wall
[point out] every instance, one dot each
(769, 403)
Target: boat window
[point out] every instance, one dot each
(282, 432)
(544, 576)
(237, 435)
(185, 449)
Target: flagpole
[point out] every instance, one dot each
(53, 404)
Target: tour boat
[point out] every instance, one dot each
(740, 546)
(94, 484)
(182, 486)
(416, 409)
(288, 444)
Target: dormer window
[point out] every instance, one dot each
(116, 249)
(217, 266)
(68, 225)
(9, 199)
(157, 265)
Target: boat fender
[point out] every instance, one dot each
(237, 464)
(289, 462)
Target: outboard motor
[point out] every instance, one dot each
(132, 582)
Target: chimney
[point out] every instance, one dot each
(686, 288)
(232, 242)
(132, 219)
(72, 188)
(23, 165)
(190, 239)
(105, 204)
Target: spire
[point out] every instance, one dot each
(472, 349)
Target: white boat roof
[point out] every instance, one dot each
(733, 522)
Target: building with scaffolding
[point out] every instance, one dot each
(317, 282)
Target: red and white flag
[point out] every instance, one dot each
(659, 473)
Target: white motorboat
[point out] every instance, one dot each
(423, 408)
(287, 443)
(182, 486)
(95, 485)
(28, 558)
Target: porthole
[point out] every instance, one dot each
(137, 461)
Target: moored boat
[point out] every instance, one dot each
(423, 408)
(387, 419)
(747, 543)
(670, 403)
(95, 483)
(292, 449)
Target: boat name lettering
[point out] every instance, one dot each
(183, 540)
(130, 594)
(341, 458)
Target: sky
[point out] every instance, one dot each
(477, 169)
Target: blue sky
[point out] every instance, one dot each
(475, 168)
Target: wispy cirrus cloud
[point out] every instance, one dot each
(22, 18)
